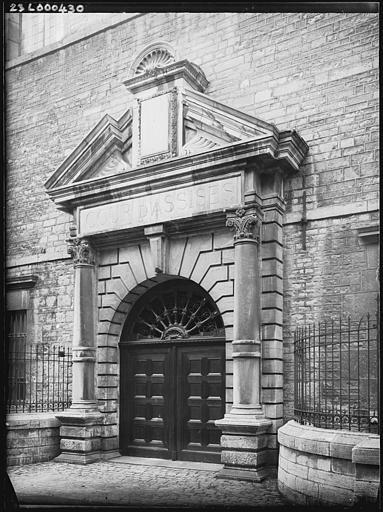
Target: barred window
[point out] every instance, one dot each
(17, 337)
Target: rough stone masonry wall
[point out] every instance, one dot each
(317, 73)
(32, 438)
(335, 276)
(50, 318)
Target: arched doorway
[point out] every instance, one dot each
(172, 384)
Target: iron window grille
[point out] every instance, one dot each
(39, 375)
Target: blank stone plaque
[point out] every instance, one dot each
(155, 125)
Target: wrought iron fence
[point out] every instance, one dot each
(337, 374)
(39, 377)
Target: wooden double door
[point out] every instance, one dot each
(171, 395)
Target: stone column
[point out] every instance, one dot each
(244, 439)
(81, 423)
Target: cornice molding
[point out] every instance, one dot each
(173, 171)
(182, 69)
(369, 232)
(21, 282)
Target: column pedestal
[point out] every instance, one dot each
(80, 432)
(244, 440)
(244, 447)
(81, 424)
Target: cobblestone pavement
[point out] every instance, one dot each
(108, 483)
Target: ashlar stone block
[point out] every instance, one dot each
(124, 272)
(194, 247)
(203, 272)
(244, 458)
(244, 442)
(80, 445)
(132, 255)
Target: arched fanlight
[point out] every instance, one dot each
(175, 309)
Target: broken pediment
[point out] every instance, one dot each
(209, 124)
(172, 124)
(105, 151)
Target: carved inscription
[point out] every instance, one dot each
(161, 207)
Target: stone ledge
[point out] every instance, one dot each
(325, 212)
(324, 442)
(346, 474)
(29, 421)
(367, 451)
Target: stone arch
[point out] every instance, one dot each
(124, 307)
(125, 273)
(206, 259)
(181, 309)
(186, 345)
(108, 360)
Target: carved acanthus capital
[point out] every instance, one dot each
(245, 223)
(81, 251)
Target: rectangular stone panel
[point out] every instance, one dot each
(163, 206)
(154, 125)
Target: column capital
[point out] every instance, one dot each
(246, 223)
(81, 251)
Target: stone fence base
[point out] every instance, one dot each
(327, 467)
(32, 438)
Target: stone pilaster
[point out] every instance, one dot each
(275, 367)
(81, 424)
(244, 439)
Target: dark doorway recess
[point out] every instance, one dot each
(172, 375)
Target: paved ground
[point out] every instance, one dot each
(138, 485)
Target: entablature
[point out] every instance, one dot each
(266, 152)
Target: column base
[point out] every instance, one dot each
(251, 475)
(80, 440)
(78, 458)
(112, 454)
(244, 446)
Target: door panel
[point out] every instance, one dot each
(147, 400)
(200, 401)
(170, 397)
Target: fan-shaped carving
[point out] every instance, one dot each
(115, 164)
(198, 144)
(154, 59)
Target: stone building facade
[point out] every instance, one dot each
(225, 160)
